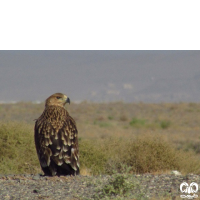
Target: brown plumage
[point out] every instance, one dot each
(56, 138)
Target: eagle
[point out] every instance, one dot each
(56, 138)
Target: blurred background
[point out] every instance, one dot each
(100, 76)
(145, 115)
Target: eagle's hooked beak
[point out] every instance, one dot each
(68, 100)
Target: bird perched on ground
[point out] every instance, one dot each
(56, 138)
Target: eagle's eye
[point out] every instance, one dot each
(58, 97)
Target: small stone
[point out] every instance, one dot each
(176, 173)
(36, 177)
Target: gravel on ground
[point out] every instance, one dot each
(143, 186)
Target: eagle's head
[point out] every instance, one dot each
(57, 99)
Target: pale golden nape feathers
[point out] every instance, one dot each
(56, 138)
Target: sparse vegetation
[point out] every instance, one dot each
(137, 122)
(123, 118)
(146, 138)
(110, 117)
(17, 149)
(117, 185)
(165, 124)
(144, 154)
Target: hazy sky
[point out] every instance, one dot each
(100, 75)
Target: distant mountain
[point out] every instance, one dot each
(101, 76)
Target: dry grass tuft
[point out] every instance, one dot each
(17, 150)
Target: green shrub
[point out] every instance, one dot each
(165, 124)
(110, 117)
(137, 122)
(102, 124)
(118, 185)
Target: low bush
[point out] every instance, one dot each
(137, 122)
(17, 149)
